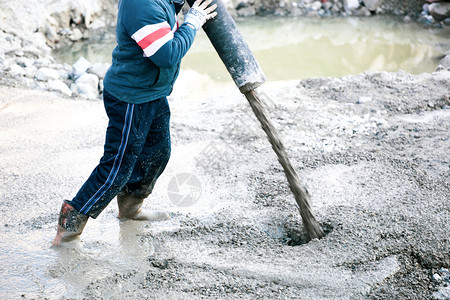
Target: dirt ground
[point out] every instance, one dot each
(372, 149)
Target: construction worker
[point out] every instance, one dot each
(145, 65)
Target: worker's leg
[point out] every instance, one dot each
(70, 225)
(128, 128)
(125, 138)
(149, 166)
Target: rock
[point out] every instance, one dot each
(86, 35)
(24, 62)
(327, 5)
(60, 86)
(65, 32)
(444, 64)
(99, 69)
(364, 99)
(32, 50)
(87, 86)
(160, 263)
(440, 10)
(426, 19)
(351, 4)
(246, 11)
(11, 45)
(36, 44)
(50, 33)
(363, 11)
(372, 5)
(80, 66)
(16, 70)
(41, 85)
(84, 90)
(27, 82)
(64, 74)
(316, 5)
(312, 13)
(43, 62)
(89, 79)
(5, 64)
(436, 277)
(239, 4)
(46, 74)
(279, 12)
(76, 35)
(443, 293)
(97, 24)
(323, 12)
(31, 72)
(335, 9)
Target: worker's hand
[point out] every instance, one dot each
(199, 13)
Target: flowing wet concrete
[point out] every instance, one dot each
(372, 149)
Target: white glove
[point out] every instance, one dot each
(200, 13)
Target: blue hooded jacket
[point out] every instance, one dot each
(150, 46)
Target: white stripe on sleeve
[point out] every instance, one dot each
(148, 29)
(154, 47)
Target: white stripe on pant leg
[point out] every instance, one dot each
(117, 162)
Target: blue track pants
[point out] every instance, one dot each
(137, 149)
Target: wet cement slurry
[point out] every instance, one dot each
(301, 194)
(372, 150)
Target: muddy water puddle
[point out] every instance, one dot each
(298, 48)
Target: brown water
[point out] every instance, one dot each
(298, 48)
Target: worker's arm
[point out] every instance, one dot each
(164, 45)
